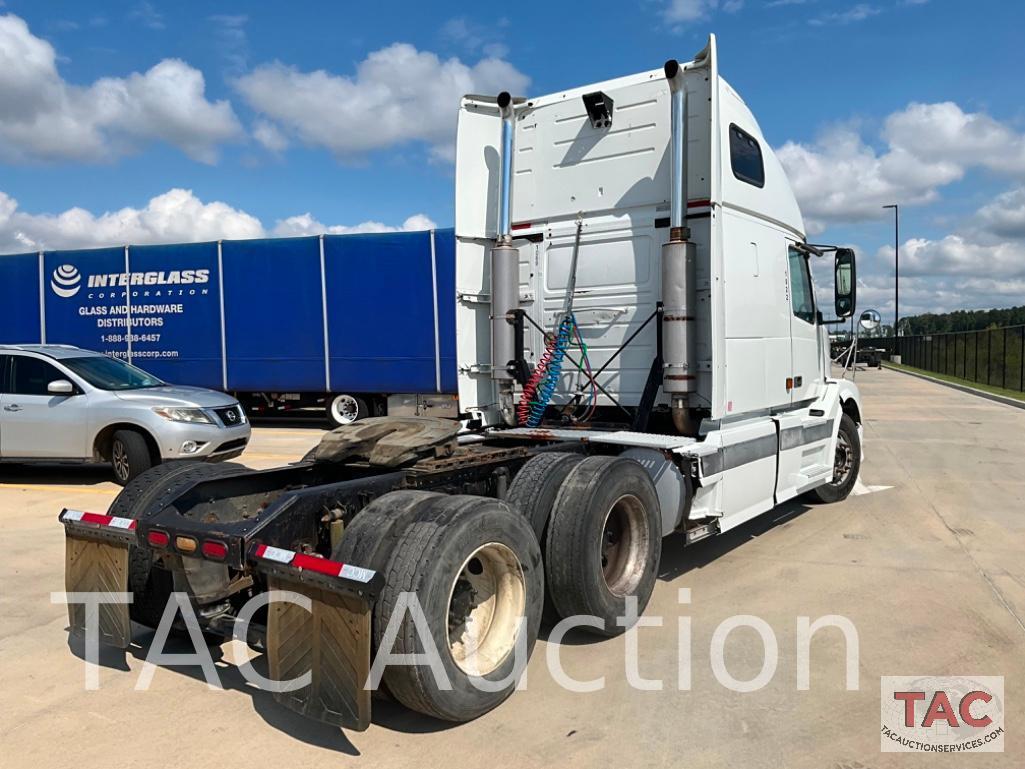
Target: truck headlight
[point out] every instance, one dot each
(181, 414)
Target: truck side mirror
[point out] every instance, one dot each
(844, 283)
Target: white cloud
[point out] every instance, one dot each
(841, 178)
(174, 217)
(398, 95)
(970, 139)
(1005, 216)
(856, 13)
(177, 216)
(270, 136)
(147, 15)
(43, 117)
(680, 12)
(958, 254)
(305, 224)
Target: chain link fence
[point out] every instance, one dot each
(994, 357)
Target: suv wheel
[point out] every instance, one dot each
(129, 456)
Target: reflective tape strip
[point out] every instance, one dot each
(357, 573)
(98, 520)
(319, 565)
(313, 563)
(275, 554)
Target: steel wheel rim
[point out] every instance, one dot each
(844, 460)
(623, 547)
(486, 602)
(119, 458)
(345, 409)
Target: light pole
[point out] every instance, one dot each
(896, 268)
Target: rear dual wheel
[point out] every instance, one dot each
(472, 566)
(604, 542)
(598, 522)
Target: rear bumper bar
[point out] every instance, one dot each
(325, 634)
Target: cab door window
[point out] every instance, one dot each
(30, 376)
(802, 297)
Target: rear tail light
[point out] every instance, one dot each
(185, 544)
(214, 549)
(158, 538)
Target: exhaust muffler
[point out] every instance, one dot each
(679, 377)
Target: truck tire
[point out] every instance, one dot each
(536, 485)
(129, 456)
(533, 491)
(344, 409)
(369, 540)
(471, 563)
(603, 541)
(846, 464)
(144, 495)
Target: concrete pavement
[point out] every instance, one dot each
(931, 572)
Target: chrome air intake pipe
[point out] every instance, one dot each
(505, 270)
(679, 377)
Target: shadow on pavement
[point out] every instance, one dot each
(386, 713)
(56, 474)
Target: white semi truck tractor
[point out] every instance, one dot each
(640, 353)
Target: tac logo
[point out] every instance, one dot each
(942, 714)
(66, 281)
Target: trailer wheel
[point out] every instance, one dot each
(144, 495)
(474, 566)
(603, 541)
(846, 464)
(129, 456)
(345, 409)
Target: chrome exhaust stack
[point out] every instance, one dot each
(679, 377)
(505, 271)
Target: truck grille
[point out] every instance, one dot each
(230, 416)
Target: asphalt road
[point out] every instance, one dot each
(927, 561)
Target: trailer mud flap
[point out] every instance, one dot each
(330, 642)
(96, 561)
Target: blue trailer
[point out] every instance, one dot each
(353, 324)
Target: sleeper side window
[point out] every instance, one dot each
(746, 157)
(801, 296)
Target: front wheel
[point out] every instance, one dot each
(129, 456)
(846, 464)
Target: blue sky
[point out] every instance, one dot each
(273, 110)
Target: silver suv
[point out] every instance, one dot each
(61, 403)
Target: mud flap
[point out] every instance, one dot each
(332, 643)
(96, 561)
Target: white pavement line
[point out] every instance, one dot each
(860, 488)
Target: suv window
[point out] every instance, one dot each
(30, 376)
(746, 157)
(3, 373)
(802, 298)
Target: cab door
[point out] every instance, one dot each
(37, 424)
(805, 354)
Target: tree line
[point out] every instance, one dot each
(962, 320)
